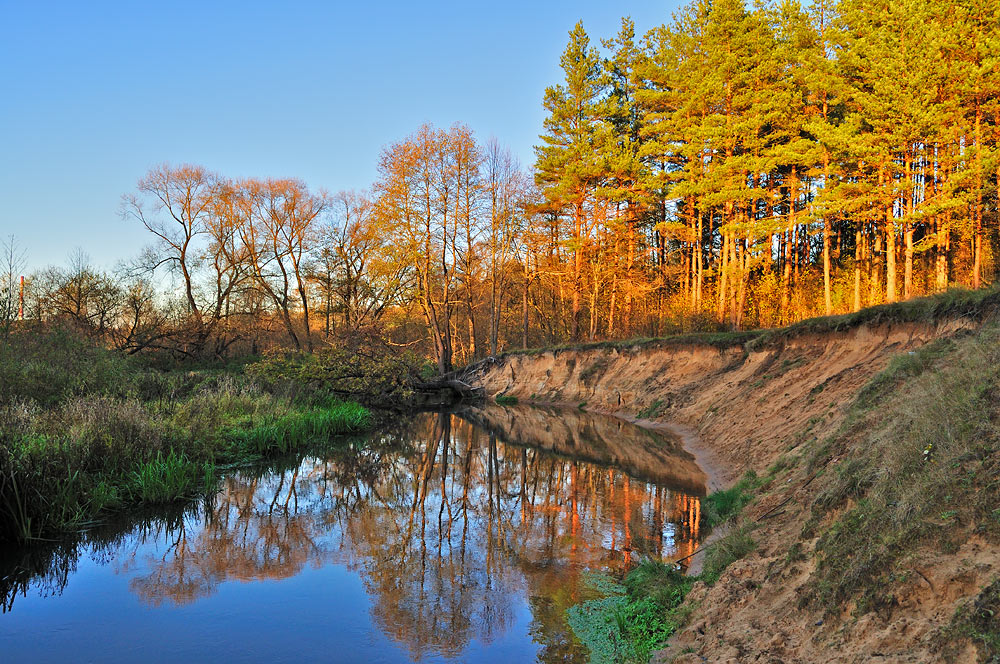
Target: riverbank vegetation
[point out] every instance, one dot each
(921, 456)
(84, 429)
(632, 617)
(900, 498)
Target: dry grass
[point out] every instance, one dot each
(921, 468)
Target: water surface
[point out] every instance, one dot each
(452, 537)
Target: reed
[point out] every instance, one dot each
(296, 430)
(169, 477)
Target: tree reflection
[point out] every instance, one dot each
(448, 526)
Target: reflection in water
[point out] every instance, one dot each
(454, 533)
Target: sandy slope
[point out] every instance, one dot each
(743, 410)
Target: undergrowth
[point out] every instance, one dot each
(629, 620)
(84, 430)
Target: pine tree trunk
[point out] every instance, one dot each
(908, 231)
(701, 253)
(827, 298)
(977, 259)
(890, 256)
(524, 307)
(577, 272)
(723, 275)
(857, 267)
(875, 278)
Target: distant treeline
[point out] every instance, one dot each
(735, 167)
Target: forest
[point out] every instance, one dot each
(733, 168)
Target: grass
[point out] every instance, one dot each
(627, 621)
(652, 410)
(721, 506)
(922, 470)
(81, 438)
(165, 479)
(735, 545)
(506, 400)
(297, 429)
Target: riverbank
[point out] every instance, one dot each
(874, 528)
(85, 431)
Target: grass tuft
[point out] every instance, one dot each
(721, 506)
(169, 478)
(298, 429)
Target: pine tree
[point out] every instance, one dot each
(569, 167)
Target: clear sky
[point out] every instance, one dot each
(92, 94)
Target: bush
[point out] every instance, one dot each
(375, 378)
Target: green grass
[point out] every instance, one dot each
(295, 430)
(79, 438)
(652, 410)
(165, 479)
(628, 621)
(721, 506)
(735, 545)
(506, 400)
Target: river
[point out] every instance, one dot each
(448, 537)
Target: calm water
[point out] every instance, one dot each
(458, 537)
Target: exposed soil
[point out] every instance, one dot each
(740, 410)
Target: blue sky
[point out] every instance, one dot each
(92, 94)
